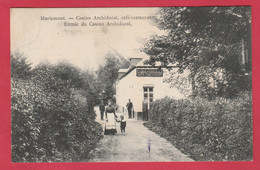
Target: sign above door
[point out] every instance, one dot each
(149, 72)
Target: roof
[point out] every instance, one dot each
(123, 70)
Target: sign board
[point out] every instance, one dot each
(149, 72)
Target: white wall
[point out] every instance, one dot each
(131, 87)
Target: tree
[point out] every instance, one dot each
(107, 75)
(90, 82)
(213, 43)
(20, 67)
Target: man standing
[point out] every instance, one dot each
(102, 109)
(129, 107)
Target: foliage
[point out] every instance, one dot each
(20, 67)
(205, 41)
(90, 81)
(52, 116)
(219, 130)
(108, 74)
(180, 82)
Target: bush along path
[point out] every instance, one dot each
(218, 130)
(139, 144)
(52, 116)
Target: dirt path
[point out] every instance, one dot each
(135, 146)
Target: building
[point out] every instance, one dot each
(143, 84)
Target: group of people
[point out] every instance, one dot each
(109, 112)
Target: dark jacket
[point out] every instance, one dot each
(101, 108)
(129, 105)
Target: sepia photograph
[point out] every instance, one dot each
(131, 84)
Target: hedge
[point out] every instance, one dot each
(218, 130)
(52, 120)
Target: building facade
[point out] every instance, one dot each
(143, 84)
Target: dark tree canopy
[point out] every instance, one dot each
(20, 67)
(207, 41)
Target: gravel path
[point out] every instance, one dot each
(139, 144)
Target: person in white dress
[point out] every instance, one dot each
(110, 125)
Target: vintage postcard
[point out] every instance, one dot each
(168, 84)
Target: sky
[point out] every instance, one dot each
(85, 47)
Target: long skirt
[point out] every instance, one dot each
(110, 125)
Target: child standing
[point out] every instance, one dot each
(122, 124)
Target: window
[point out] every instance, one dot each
(148, 95)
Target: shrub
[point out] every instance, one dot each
(220, 129)
(52, 120)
